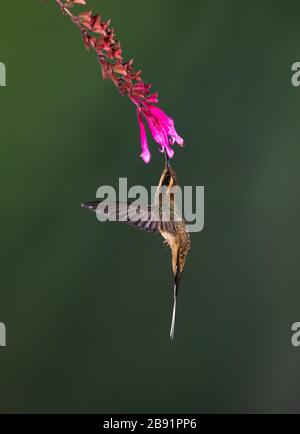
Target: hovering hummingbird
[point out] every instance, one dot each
(157, 218)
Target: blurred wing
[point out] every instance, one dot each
(143, 217)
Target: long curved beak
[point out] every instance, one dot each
(167, 159)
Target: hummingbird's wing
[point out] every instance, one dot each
(149, 218)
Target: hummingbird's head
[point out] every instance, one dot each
(168, 178)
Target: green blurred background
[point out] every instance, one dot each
(88, 306)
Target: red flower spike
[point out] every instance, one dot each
(127, 81)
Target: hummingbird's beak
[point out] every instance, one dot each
(168, 164)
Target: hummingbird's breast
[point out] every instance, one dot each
(174, 246)
(180, 243)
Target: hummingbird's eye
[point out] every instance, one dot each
(167, 180)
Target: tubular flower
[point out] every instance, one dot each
(160, 124)
(99, 36)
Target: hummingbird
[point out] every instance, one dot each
(157, 218)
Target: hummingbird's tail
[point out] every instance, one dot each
(176, 287)
(172, 332)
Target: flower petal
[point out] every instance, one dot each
(146, 156)
(166, 122)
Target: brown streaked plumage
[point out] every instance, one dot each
(161, 217)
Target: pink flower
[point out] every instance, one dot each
(160, 124)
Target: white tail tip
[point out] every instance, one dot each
(172, 332)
